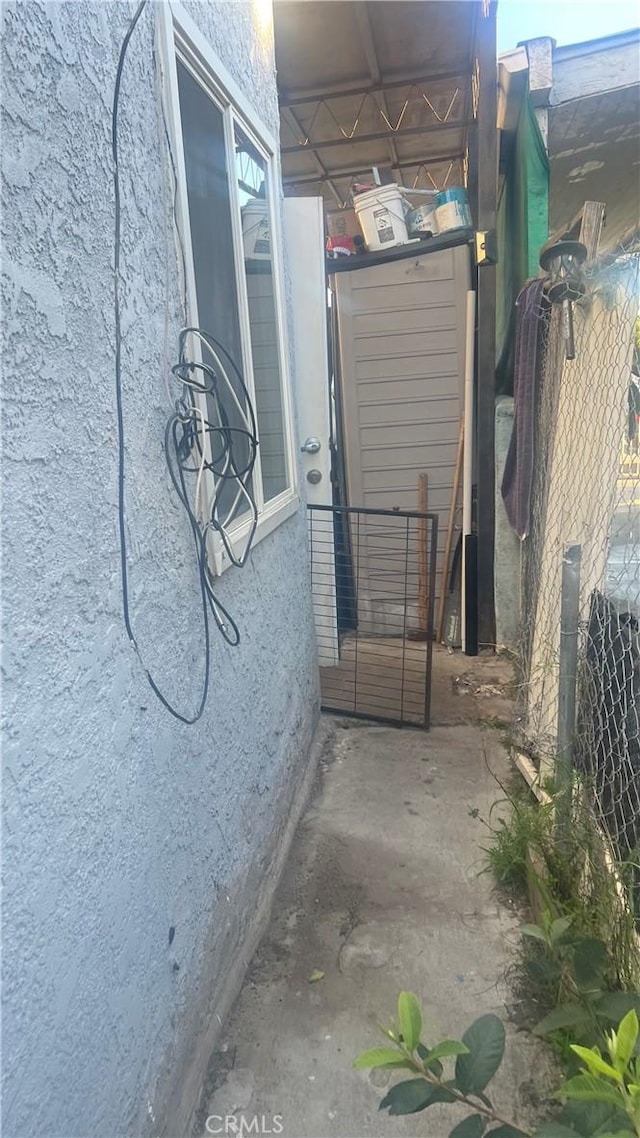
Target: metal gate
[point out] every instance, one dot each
(373, 575)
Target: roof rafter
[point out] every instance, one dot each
(367, 40)
(351, 171)
(359, 87)
(376, 136)
(295, 125)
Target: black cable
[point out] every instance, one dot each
(120, 417)
(226, 436)
(182, 439)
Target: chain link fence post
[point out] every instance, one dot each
(567, 682)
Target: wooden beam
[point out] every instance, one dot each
(486, 154)
(591, 228)
(586, 226)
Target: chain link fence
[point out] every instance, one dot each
(585, 493)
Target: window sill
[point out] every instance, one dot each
(272, 516)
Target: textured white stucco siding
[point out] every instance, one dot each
(119, 822)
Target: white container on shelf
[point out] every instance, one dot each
(256, 231)
(381, 214)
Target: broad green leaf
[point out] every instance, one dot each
(448, 1049)
(412, 1096)
(409, 1019)
(614, 1005)
(590, 961)
(471, 1127)
(559, 927)
(534, 931)
(554, 1130)
(485, 1040)
(381, 1057)
(589, 1118)
(617, 1134)
(593, 1059)
(442, 1094)
(590, 1088)
(543, 972)
(627, 1035)
(592, 1118)
(505, 1131)
(567, 1015)
(433, 1064)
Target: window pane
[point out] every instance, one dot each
(213, 258)
(256, 231)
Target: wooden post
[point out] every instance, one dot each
(449, 539)
(585, 226)
(423, 559)
(591, 228)
(486, 152)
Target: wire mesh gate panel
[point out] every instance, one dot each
(373, 583)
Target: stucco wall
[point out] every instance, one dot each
(120, 823)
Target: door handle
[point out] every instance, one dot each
(311, 445)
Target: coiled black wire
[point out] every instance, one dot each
(189, 432)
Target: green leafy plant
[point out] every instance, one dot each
(612, 1079)
(569, 878)
(603, 1098)
(577, 968)
(477, 1056)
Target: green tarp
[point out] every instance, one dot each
(522, 227)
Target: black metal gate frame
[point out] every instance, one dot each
(431, 522)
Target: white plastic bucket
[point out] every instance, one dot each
(422, 219)
(381, 214)
(452, 210)
(256, 231)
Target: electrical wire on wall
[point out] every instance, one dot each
(199, 440)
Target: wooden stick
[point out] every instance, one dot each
(591, 228)
(450, 525)
(423, 561)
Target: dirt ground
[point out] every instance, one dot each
(384, 890)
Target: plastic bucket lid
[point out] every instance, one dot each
(378, 195)
(381, 213)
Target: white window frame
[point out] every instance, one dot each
(178, 37)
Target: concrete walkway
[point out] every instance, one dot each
(383, 891)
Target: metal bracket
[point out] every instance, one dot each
(486, 247)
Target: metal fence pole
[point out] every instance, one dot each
(567, 680)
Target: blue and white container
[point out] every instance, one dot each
(422, 220)
(452, 209)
